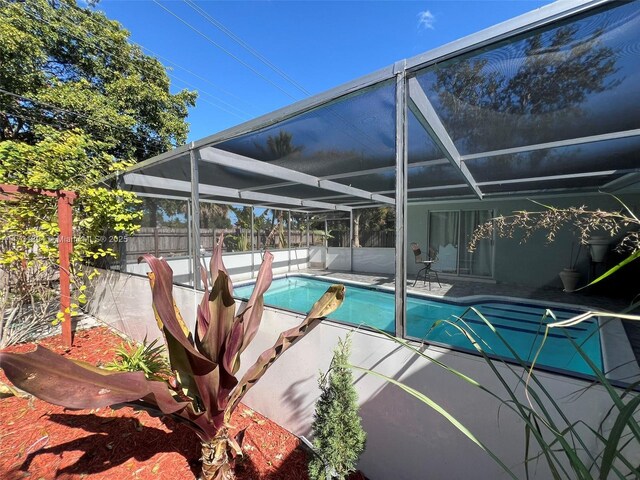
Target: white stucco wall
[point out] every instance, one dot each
(406, 439)
(374, 260)
(239, 265)
(365, 260)
(317, 256)
(123, 301)
(339, 258)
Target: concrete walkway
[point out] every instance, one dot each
(457, 288)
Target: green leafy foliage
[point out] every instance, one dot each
(148, 358)
(239, 242)
(78, 102)
(206, 390)
(339, 439)
(381, 219)
(69, 67)
(62, 160)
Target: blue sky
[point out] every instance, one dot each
(317, 45)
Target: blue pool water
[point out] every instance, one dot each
(518, 323)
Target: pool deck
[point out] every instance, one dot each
(457, 288)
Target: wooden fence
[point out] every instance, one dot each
(368, 238)
(174, 242)
(380, 239)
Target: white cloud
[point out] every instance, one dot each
(426, 20)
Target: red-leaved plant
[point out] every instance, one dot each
(205, 391)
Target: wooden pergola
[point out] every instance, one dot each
(65, 243)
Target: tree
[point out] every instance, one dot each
(157, 210)
(278, 146)
(67, 67)
(276, 236)
(339, 439)
(560, 69)
(373, 219)
(78, 102)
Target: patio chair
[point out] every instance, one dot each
(425, 269)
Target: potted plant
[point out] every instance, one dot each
(598, 246)
(570, 276)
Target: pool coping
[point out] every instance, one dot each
(619, 361)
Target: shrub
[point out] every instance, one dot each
(339, 439)
(145, 357)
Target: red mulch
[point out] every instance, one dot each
(43, 441)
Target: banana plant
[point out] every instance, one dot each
(205, 390)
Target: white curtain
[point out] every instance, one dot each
(446, 229)
(477, 263)
(443, 240)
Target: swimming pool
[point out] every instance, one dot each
(520, 324)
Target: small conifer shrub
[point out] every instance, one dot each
(339, 439)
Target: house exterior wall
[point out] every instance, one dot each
(535, 263)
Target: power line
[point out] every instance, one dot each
(191, 85)
(268, 63)
(136, 137)
(29, 114)
(244, 45)
(247, 115)
(177, 65)
(59, 122)
(339, 117)
(54, 107)
(33, 118)
(39, 120)
(168, 73)
(213, 42)
(200, 77)
(137, 68)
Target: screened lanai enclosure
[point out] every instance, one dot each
(544, 106)
(346, 184)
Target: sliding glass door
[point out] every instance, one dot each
(443, 240)
(449, 233)
(479, 262)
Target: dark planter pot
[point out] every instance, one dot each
(570, 279)
(598, 247)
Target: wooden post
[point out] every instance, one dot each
(65, 245)
(65, 242)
